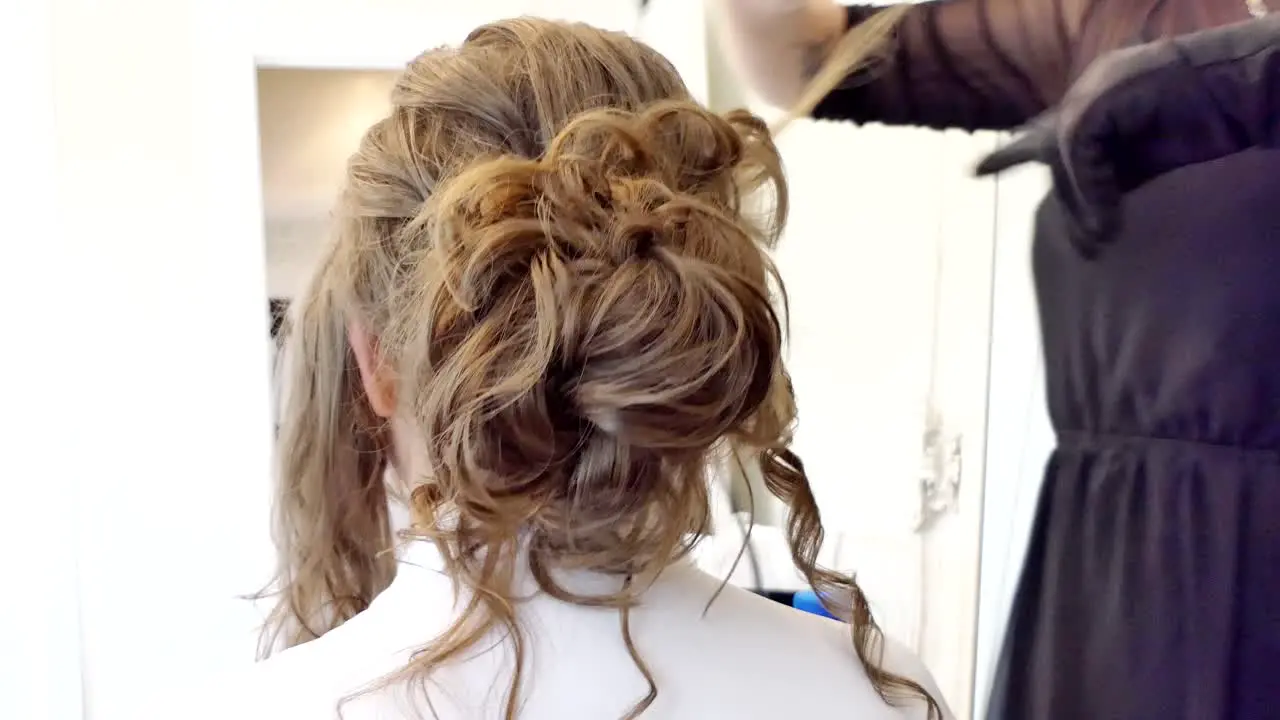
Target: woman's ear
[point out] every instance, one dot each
(376, 377)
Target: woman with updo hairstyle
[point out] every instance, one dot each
(548, 309)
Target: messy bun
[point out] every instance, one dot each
(570, 275)
(596, 320)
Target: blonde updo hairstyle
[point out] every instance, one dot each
(551, 242)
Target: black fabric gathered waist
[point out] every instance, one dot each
(1086, 441)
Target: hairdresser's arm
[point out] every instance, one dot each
(970, 64)
(945, 68)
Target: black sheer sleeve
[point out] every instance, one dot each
(1141, 112)
(995, 64)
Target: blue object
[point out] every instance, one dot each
(807, 601)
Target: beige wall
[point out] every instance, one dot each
(310, 122)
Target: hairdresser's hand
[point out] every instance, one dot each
(1143, 111)
(778, 45)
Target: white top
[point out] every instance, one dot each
(747, 658)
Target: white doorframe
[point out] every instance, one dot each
(1019, 437)
(950, 595)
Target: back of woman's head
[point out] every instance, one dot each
(555, 250)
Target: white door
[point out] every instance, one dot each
(887, 261)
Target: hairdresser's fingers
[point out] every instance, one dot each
(1036, 143)
(1022, 150)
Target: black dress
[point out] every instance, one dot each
(1151, 588)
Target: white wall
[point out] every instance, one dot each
(310, 122)
(147, 378)
(179, 408)
(678, 30)
(42, 450)
(333, 33)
